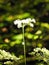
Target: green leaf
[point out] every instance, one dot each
(35, 37)
(29, 35)
(38, 32)
(18, 37)
(24, 15)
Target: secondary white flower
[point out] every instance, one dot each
(44, 50)
(37, 49)
(24, 22)
(41, 54)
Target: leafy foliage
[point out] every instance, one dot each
(11, 36)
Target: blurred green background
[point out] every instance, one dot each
(11, 36)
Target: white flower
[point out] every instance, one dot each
(33, 20)
(24, 22)
(31, 25)
(37, 49)
(41, 54)
(18, 23)
(28, 20)
(44, 50)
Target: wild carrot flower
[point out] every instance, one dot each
(25, 22)
(41, 54)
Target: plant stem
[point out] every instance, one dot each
(24, 44)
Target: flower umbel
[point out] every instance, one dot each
(41, 54)
(27, 21)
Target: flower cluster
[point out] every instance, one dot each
(41, 54)
(7, 56)
(24, 22)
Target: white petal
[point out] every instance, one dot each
(23, 21)
(15, 22)
(19, 25)
(28, 20)
(33, 20)
(32, 25)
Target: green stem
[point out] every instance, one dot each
(24, 45)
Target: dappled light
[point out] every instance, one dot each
(24, 32)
